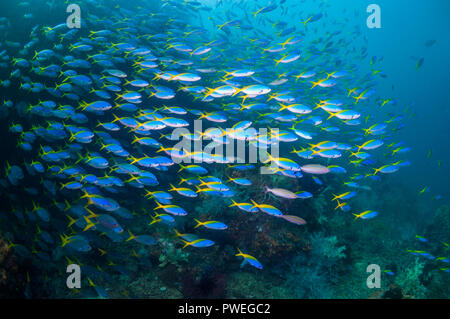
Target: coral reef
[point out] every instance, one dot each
(320, 206)
(313, 274)
(169, 254)
(410, 280)
(208, 283)
(439, 229)
(266, 237)
(151, 286)
(12, 277)
(252, 284)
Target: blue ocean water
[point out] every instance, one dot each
(354, 119)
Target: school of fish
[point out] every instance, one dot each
(96, 138)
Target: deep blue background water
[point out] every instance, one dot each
(406, 26)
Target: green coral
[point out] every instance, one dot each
(326, 247)
(320, 205)
(409, 280)
(315, 275)
(171, 254)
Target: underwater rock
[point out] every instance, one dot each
(149, 286)
(315, 272)
(439, 230)
(394, 292)
(248, 284)
(12, 279)
(267, 238)
(208, 284)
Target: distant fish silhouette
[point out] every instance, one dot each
(430, 43)
(420, 63)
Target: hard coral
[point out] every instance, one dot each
(314, 273)
(266, 238)
(409, 280)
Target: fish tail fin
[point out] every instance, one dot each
(115, 118)
(339, 204)
(132, 159)
(314, 84)
(91, 283)
(89, 223)
(305, 22)
(234, 203)
(199, 223)
(71, 221)
(269, 159)
(177, 233)
(63, 239)
(182, 180)
(80, 158)
(131, 235)
(186, 243)
(91, 213)
(331, 115)
(154, 219)
(136, 139)
(198, 189)
(283, 107)
(72, 137)
(209, 91)
(158, 205)
(161, 149)
(238, 90)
